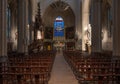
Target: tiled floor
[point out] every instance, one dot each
(61, 72)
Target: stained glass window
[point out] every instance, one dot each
(59, 27)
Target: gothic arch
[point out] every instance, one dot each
(52, 11)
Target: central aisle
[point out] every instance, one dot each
(61, 72)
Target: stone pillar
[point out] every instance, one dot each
(13, 31)
(26, 27)
(85, 22)
(30, 33)
(30, 24)
(116, 27)
(3, 29)
(78, 31)
(22, 24)
(96, 26)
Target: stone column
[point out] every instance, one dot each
(30, 24)
(78, 31)
(85, 22)
(26, 27)
(96, 26)
(22, 24)
(31, 32)
(116, 27)
(13, 30)
(3, 29)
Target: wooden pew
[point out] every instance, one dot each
(96, 68)
(34, 69)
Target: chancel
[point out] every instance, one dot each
(59, 42)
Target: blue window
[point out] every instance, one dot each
(59, 27)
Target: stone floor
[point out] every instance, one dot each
(61, 72)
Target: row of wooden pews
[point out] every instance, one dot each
(97, 68)
(32, 69)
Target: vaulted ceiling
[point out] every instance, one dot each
(59, 8)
